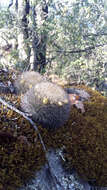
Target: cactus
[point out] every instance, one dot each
(27, 80)
(48, 104)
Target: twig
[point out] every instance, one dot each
(97, 34)
(26, 117)
(78, 50)
(35, 127)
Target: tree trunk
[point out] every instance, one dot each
(39, 40)
(23, 36)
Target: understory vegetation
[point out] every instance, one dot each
(65, 38)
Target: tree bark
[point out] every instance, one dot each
(39, 40)
(23, 36)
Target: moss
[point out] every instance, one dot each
(18, 160)
(87, 151)
(83, 137)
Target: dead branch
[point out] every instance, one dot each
(78, 50)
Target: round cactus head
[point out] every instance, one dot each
(48, 104)
(27, 80)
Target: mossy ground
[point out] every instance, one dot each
(83, 137)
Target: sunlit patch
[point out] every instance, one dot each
(36, 87)
(60, 103)
(22, 81)
(45, 100)
(30, 86)
(65, 101)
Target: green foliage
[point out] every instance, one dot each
(6, 19)
(72, 36)
(76, 31)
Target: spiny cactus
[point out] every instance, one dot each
(48, 104)
(27, 80)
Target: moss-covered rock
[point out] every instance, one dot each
(87, 151)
